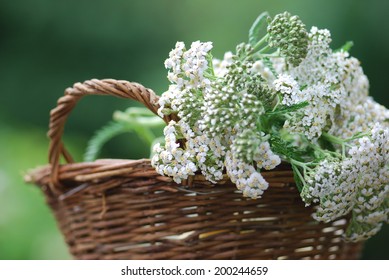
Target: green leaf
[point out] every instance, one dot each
(255, 30)
(325, 144)
(289, 109)
(102, 136)
(286, 149)
(268, 63)
(140, 120)
(297, 179)
(281, 147)
(135, 119)
(346, 47)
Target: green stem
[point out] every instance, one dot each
(259, 44)
(300, 176)
(337, 140)
(333, 139)
(278, 102)
(270, 55)
(211, 75)
(210, 67)
(265, 49)
(306, 166)
(145, 133)
(342, 142)
(260, 54)
(322, 152)
(298, 163)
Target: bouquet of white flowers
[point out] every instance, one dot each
(283, 96)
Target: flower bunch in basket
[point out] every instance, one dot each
(285, 95)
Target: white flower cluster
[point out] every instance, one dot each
(336, 90)
(188, 77)
(370, 160)
(245, 176)
(249, 147)
(361, 117)
(290, 90)
(220, 67)
(196, 151)
(171, 159)
(191, 145)
(209, 154)
(331, 184)
(265, 158)
(312, 119)
(357, 183)
(332, 82)
(319, 55)
(187, 67)
(306, 105)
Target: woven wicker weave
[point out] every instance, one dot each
(123, 209)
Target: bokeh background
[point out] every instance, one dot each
(47, 45)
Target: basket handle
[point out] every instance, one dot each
(66, 103)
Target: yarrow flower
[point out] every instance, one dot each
(284, 97)
(288, 87)
(245, 176)
(288, 33)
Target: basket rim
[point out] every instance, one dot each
(108, 169)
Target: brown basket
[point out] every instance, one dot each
(123, 209)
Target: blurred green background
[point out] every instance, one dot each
(47, 45)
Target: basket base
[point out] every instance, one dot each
(140, 215)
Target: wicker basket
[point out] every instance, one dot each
(123, 209)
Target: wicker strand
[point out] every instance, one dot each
(72, 95)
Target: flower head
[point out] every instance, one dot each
(288, 33)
